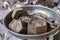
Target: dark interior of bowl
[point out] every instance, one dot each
(8, 19)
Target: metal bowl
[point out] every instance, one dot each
(49, 13)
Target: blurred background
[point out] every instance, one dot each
(48, 3)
